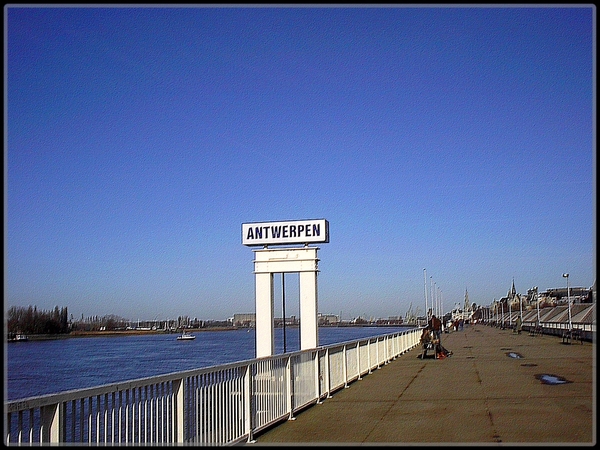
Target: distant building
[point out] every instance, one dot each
(391, 320)
(291, 321)
(465, 313)
(549, 298)
(249, 320)
(328, 319)
(244, 320)
(561, 295)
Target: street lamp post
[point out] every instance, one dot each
(434, 301)
(538, 325)
(566, 275)
(431, 291)
(425, 283)
(496, 311)
(521, 308)
(537, 301)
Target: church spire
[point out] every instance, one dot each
(513, 291)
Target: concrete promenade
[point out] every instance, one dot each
(482, 394)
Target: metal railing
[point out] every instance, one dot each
(586, 331)
(554, 320)
(219, 405)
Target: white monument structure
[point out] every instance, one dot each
(302, 260)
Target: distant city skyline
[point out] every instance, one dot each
(138, 140)
(415, 308)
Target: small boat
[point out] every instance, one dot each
(18, 338)
(185, 336)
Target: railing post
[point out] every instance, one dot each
(358, 359)
(290, 386)
(369, 354)
(386, 343)
(317, 378)
(345, 367)
(327, 380)
(248, 403)
(178, 407)
(51, 430)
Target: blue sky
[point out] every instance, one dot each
(138, 140)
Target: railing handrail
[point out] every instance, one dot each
(130, 398)
(48, 399)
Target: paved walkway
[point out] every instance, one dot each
(481, 394)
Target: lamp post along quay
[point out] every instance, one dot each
(537, 302)
(566, 275)
(425, 288)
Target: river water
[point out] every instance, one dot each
(43, 367)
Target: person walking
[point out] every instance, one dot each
(518, 325)
(436, 326)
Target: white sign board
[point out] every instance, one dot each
(288, 232)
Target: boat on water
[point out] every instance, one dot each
(18, 338)
(184, 336)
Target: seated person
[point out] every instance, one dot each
(426, 336)
(428, 342)
(441, 352)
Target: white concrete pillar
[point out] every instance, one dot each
(309, 333)
(265, 341)
(270, 261)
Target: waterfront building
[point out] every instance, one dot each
(328, 319)
(244, 319)
(557, 296)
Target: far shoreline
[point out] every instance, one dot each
(118, 333)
